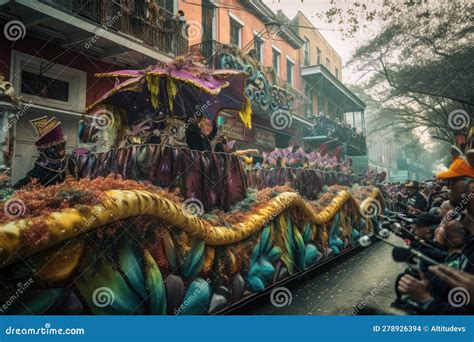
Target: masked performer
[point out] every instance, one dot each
(199, 136)
(53, 164)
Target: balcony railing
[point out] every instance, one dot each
(265, 89)
(156, 28)
(344, 133)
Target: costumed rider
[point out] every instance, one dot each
(222, 144)
(199, 135)
(53, 164)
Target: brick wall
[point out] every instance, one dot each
(193, 12)
(317, 41)
(253, 24)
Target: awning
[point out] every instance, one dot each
(300, 122)
(52, 111)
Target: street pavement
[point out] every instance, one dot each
(365, 277)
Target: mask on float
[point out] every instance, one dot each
(55, 153)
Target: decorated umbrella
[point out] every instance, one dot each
(183, 88)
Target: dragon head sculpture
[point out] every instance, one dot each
(7, 91)
(6, 88)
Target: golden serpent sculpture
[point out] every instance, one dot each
(121, 204)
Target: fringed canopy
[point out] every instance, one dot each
(183, 88)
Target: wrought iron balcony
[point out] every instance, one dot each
(342, 132)
(154, 27)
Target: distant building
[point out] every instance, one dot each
(337, 112)
(384, 155)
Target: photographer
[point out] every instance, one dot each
(455, 278)
(426, 287)
(444, 208)
(402, 195)
(424, 226)
(432, 298)
(460, 179)
(416, 201)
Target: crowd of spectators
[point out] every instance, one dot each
(441, 214)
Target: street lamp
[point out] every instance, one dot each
(270, 28)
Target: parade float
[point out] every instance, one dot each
(152, 227)
(307, 173)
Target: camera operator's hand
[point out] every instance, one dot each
(455, 278)
(417, 289)
(413, 210)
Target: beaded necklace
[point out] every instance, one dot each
(52, 161)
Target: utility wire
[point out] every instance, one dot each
(226, 6)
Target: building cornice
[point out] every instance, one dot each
(267, 15)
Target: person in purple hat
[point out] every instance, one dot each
(53, 164)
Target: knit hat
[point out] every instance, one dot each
(459, 168)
